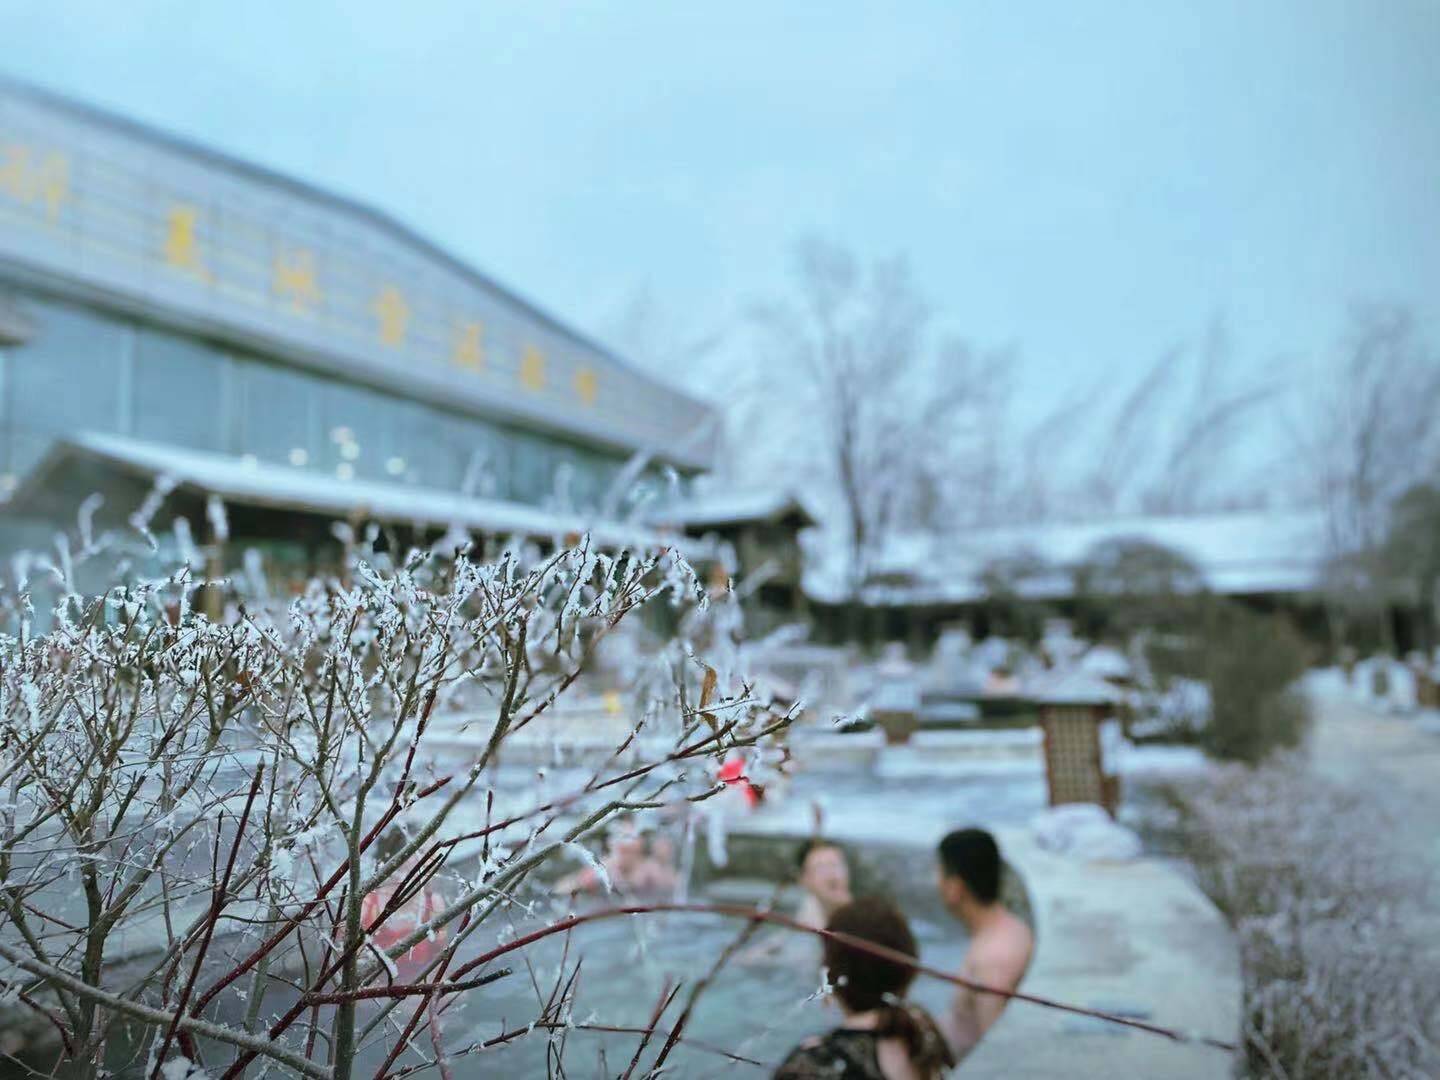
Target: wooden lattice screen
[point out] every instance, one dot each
(1072, 756)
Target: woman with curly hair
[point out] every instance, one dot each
(882, 1036)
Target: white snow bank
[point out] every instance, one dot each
(1084, 831)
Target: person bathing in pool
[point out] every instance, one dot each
(823, 872)
(627, 867)
(1000, 944)
(882, 1036)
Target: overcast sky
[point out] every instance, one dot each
(1090, 182)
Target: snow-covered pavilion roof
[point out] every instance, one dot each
(1072, 687)
(248, 482)
(1238, 553)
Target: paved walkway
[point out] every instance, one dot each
(1134, 938)
(1397, 760)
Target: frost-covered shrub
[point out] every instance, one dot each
(1337, 983)
(212, 830)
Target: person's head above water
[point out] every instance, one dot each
(824, 872)
(861, 981)
(969, 870)
(865, 983)
(625, 848)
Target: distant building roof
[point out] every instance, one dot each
(247, 482)
(1238, 553)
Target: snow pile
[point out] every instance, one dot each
(1107, 662)
(1385, 684)
(1084, 831)
(1181, 709)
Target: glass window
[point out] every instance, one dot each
(279, 414)
(532, 474)
(354, 431)
(487, 454)
(445, 450)
(179, 391)
(26, 450)
(66, 379)
(594, 473)
(413, 444)
(451, 436)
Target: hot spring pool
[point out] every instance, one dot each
(758, 1010)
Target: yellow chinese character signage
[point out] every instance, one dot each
(393, 315)
(532, 369)
(586, 385)
(145, 220)
(35, 179)
(469, 349)
(295, 279)
(182, 239)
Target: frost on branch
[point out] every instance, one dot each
(195, 811)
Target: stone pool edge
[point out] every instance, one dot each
(1134, 936)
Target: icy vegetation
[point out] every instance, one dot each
(278, 833)
(1336, 983)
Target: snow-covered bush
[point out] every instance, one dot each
(189, 805)
(1251, 662)
(1336, 982)
(1179, 712)
(1386, 684)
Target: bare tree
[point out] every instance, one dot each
(1172, 441)
(1129, 437)
(888, 408)
(1369, 434)
(1199, 467)
(1365, 436)
(1036, 485)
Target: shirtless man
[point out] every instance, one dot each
(1000, 943)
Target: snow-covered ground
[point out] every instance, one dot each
(1380, 684)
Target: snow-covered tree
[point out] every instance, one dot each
(892, 413)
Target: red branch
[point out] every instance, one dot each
(264, 948)
(217, 905)
(403, 990)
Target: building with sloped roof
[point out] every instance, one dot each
(920, 583)
(167, 310)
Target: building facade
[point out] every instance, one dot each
(166, 308)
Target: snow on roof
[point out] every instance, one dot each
(1106, 662)
(1071, 687)
(1236, 552)
(731, 508)
(245, 481)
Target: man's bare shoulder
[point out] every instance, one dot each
(1002, 950)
